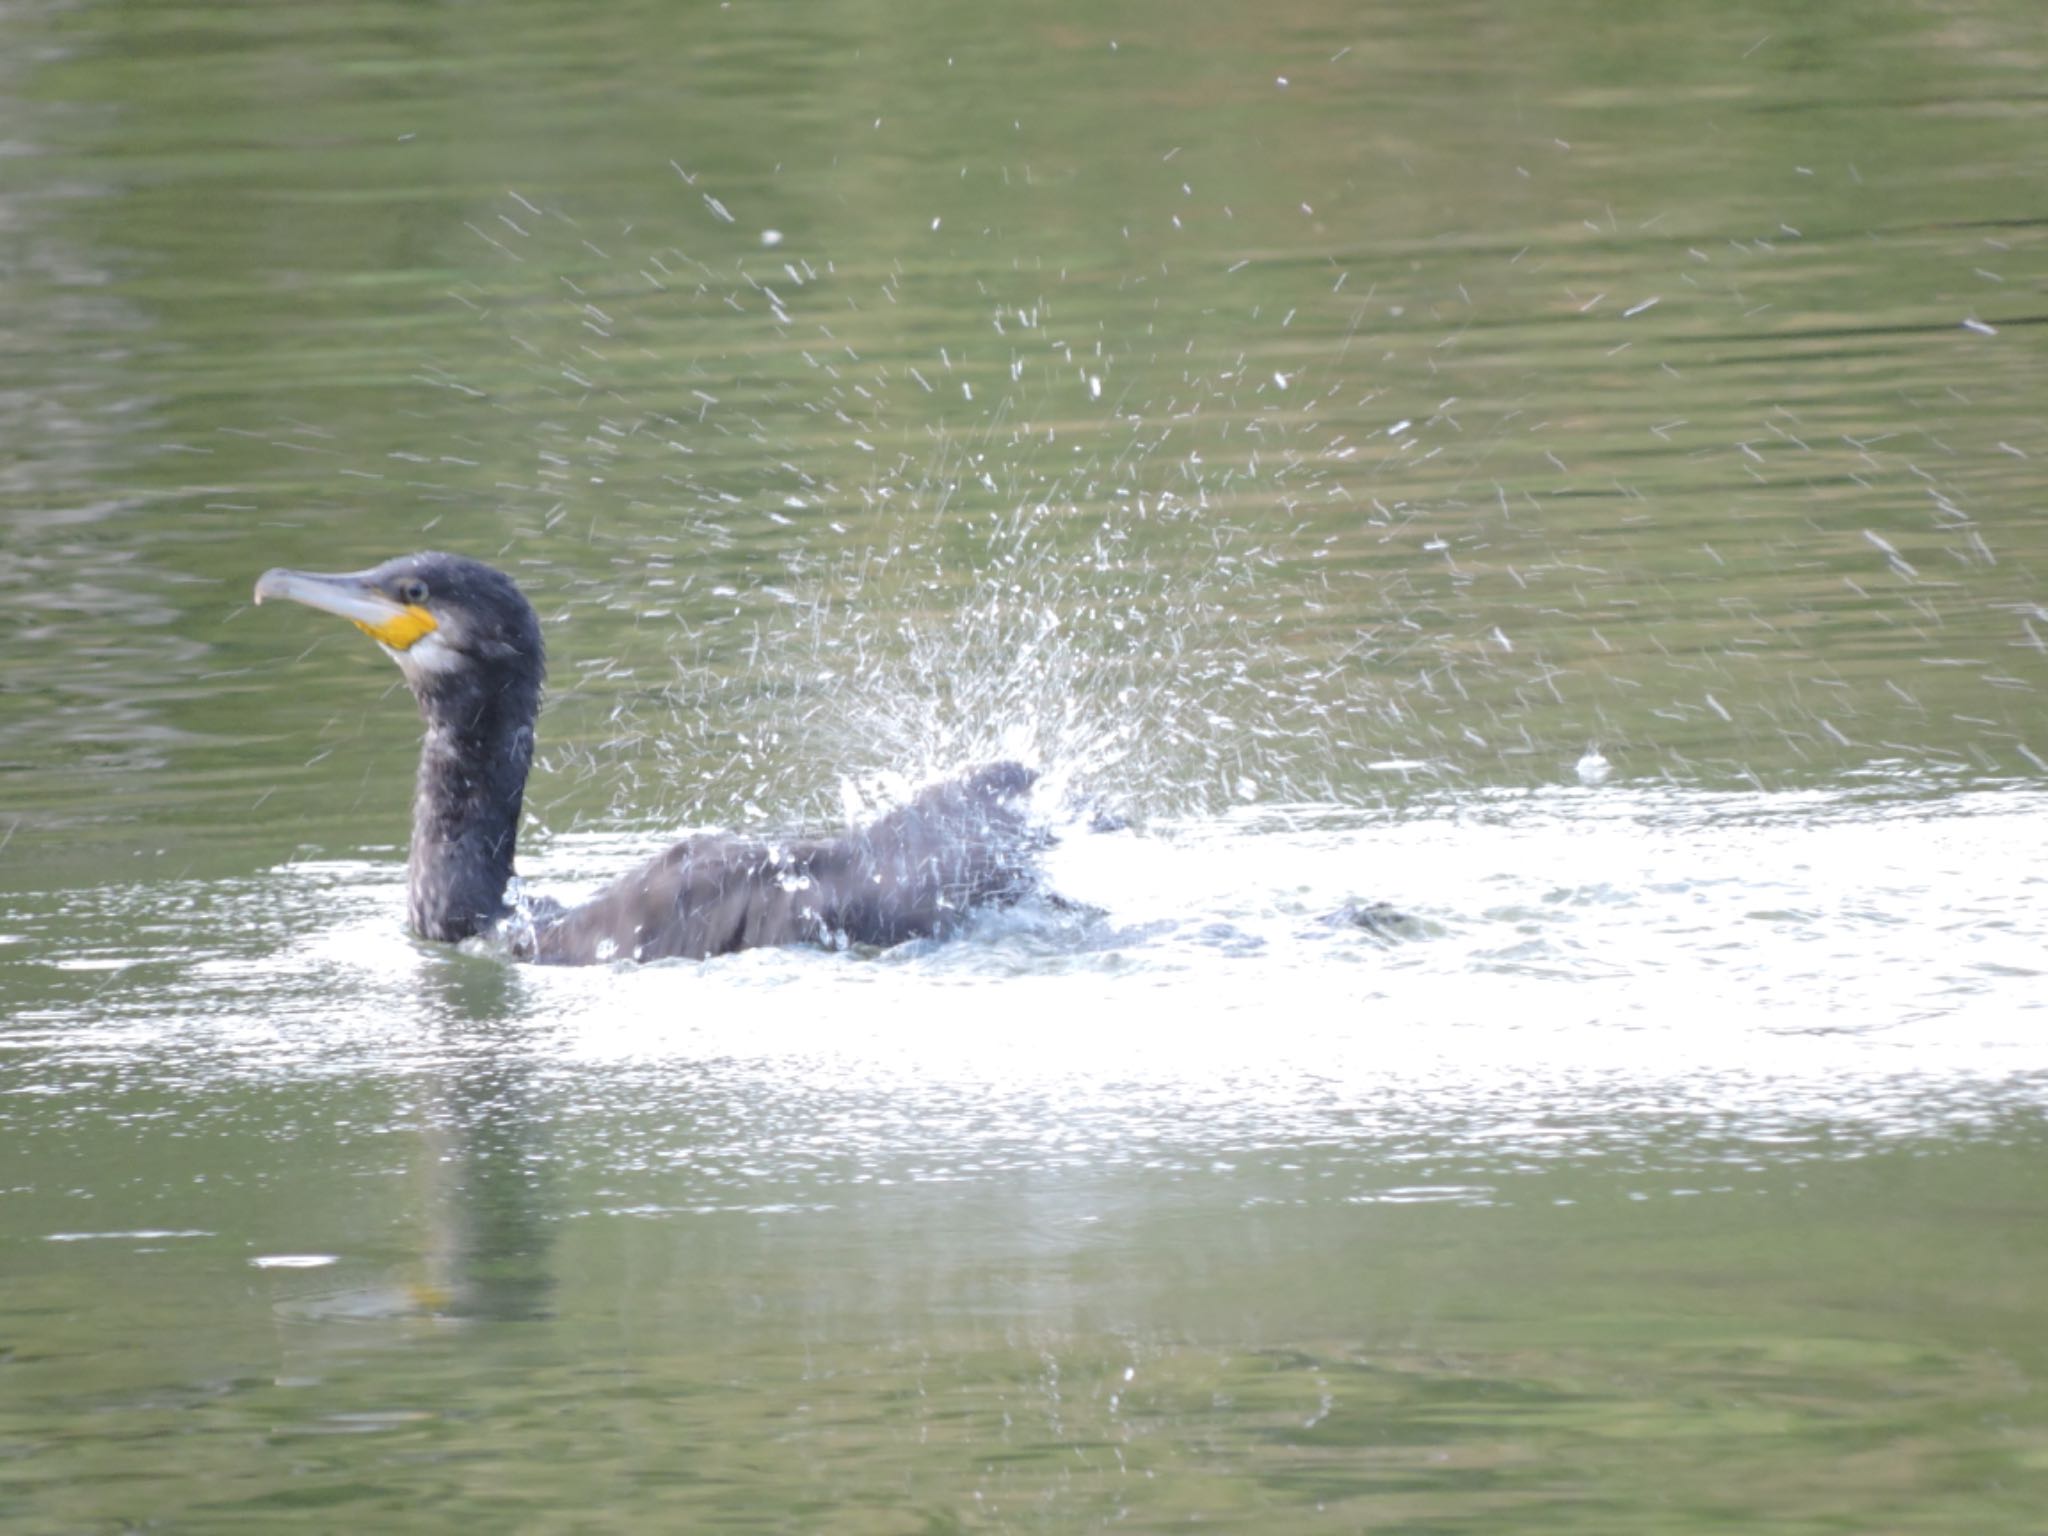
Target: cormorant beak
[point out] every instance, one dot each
(355, 598)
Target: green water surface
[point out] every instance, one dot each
(1306, 429)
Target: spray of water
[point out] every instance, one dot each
(854, 549)
(1067, 573)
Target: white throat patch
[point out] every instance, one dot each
(426, 656)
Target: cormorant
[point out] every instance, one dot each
(469, 645)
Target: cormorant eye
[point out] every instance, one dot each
(412, 590)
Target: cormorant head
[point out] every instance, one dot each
(455, 626)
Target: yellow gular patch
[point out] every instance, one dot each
(402, 629)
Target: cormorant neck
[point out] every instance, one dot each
(465, 813)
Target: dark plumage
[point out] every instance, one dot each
(470, 648)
